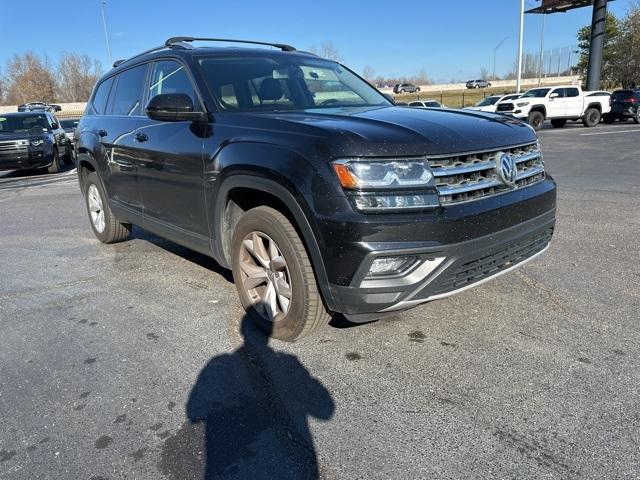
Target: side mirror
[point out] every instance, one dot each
(173, 107)
(389, 97)
(554, 95)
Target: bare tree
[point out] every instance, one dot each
(368, 74)
(30, 78)
(327, 50)
(2, 88)
(421, 78)
(484, 73)
(77, 74)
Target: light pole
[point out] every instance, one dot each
(495, 50)
(569, 67)
(520, 46)
(106, 35)
(540, 67)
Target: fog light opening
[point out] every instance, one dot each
(385, 266)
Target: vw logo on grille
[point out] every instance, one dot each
(508, 169)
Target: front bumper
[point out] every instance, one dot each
(25, 161)
(456, 268)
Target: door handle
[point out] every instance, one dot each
(102, 133)
(141, 137)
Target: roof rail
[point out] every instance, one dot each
(175, 40)
(177, 44)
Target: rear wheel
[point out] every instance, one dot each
(274, 276)
(105, 226)
(55, 165)
(591, 117)
(636, 117)
(609, 119)
(536, 120)
(558, 122)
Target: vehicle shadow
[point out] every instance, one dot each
(184, 252)
(248, 417)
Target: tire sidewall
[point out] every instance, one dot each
(588, 120)
(92, 179)
(286, 327)
(537, 125)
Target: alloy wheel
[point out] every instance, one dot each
(265, 276)
(96, 209)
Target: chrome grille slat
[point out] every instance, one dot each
(471, 176)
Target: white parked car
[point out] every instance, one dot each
(558, 104)
(489, 104)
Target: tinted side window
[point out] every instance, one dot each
(102, 95)
(169, 76)
(127, 99)
(571, 92)
(559, 91)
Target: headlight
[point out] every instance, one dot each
(522, 104)
(387, 185)
(36, 143)
(382, 174)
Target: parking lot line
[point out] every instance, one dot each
(608, 133)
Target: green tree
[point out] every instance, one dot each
(612, 32)
(625, 63)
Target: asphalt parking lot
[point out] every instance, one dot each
(129, 360)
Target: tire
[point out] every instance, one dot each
(536, 120)
(558, 122)
(401, 91)
(55, 165)
(591, 117)
(111, 231)
(68, 158)
(606, 118)
(289, 319)
(417, 89)
(636, 117)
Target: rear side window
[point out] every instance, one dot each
(102, 95)
(622, 94)
(169, 76)
(571, 92)
(127, 99)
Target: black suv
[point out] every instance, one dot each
(319, 194)
(32, 140)
(405, 88)
(625, 104)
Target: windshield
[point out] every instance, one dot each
(536, 93)
(487, 101)
(285, 82)
(18, 123)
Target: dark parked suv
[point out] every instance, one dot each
(31, 140)
(625, 104)
(319, 194)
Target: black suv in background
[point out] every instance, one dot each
(39, 107)
(405, 88)
(625, 104)
(32, 140)
(319, 194)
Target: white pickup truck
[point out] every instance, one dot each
(557, 104)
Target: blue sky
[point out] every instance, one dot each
(449, 39)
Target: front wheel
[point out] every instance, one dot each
(105, 226)
(609, 119)
(536, 120)
(55, 165)
(274, 277)
(591, 117)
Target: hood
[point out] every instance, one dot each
(386, 131)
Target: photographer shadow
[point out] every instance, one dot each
(248, 416)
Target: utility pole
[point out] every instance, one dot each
(106, 34)
(596, 44)
(540, 67)
(520, 46)
(495, 50)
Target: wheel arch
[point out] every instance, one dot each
(240, 192)
(539, 108)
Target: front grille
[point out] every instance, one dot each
(504, 107)
(461, 178)
(491, 264)
(14, 147)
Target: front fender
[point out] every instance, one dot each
(279, 172)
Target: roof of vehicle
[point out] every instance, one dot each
(23, 114)
(185, 49)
